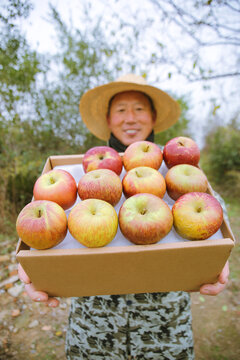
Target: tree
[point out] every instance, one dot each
(19, 67)
(200, 26)
(190, 48)
(180, 128)
(223, 148)
(86, 57)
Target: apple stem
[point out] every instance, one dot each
(143, 212)
(52, 180)
(146, 148)
(180, 143)
(39, 213)
(138, 175)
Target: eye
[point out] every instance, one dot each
(120, 110)
(139, 108)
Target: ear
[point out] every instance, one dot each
(108, 119)
(154, 116)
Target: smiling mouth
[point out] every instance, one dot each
(131, 131)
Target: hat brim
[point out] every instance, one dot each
(94, 103)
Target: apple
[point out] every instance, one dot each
(56, 185)
(42, 224)
(102, 157)
(142, 153)
(145, 219)
(103, 184)
(143, 179)
(197, 216)
(181, 150)
(93, 223)
(185, 178)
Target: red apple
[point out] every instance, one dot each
(102, 157)
(142, 153)
(185, 178)
(103, 184)
(56, 185)
(181, 150)
(93, 223)
(145, 219)
(197, 216)
(143, 179)
(42, 224)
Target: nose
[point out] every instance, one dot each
(130, 117)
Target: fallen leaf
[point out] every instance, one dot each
(15, 312)
(58, 333)
(46, 327)
(8, 286)
(201, 298)
(13, 272)
(224, 308)
(4, 258)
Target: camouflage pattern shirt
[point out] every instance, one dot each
(133, 326)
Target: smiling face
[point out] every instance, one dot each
(130, 117)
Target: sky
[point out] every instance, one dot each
(41, 35)
(39, 31)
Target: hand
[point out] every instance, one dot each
(215, 289)
(33, 293)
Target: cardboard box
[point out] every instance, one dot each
(173, 264)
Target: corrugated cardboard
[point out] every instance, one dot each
(166, 266)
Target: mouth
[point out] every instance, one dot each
(131, 131)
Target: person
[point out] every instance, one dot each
(130, 326)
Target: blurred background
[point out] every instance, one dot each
(50, 54)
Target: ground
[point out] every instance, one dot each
(33, 331)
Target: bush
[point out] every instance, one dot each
(19, 190)
(223, 147)
(222, 158)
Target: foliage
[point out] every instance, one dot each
(39, 113)
(222, 158)
(178, 129)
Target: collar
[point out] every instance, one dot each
(116, 144)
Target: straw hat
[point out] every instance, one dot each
(94, 104)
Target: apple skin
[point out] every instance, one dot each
(142, 153)
(102, 157)
(185, 178)
(181, 150)
(197, 216)
(93, 223)
(42, 224)
(143, 179)
(145, 219)
(56, 185)
(103, 184)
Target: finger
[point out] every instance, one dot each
(34, 294)
(52, 302)
(213, 289)
(223, 277)
(22, 275)
(41, 296)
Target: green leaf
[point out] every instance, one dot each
(224, 308)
